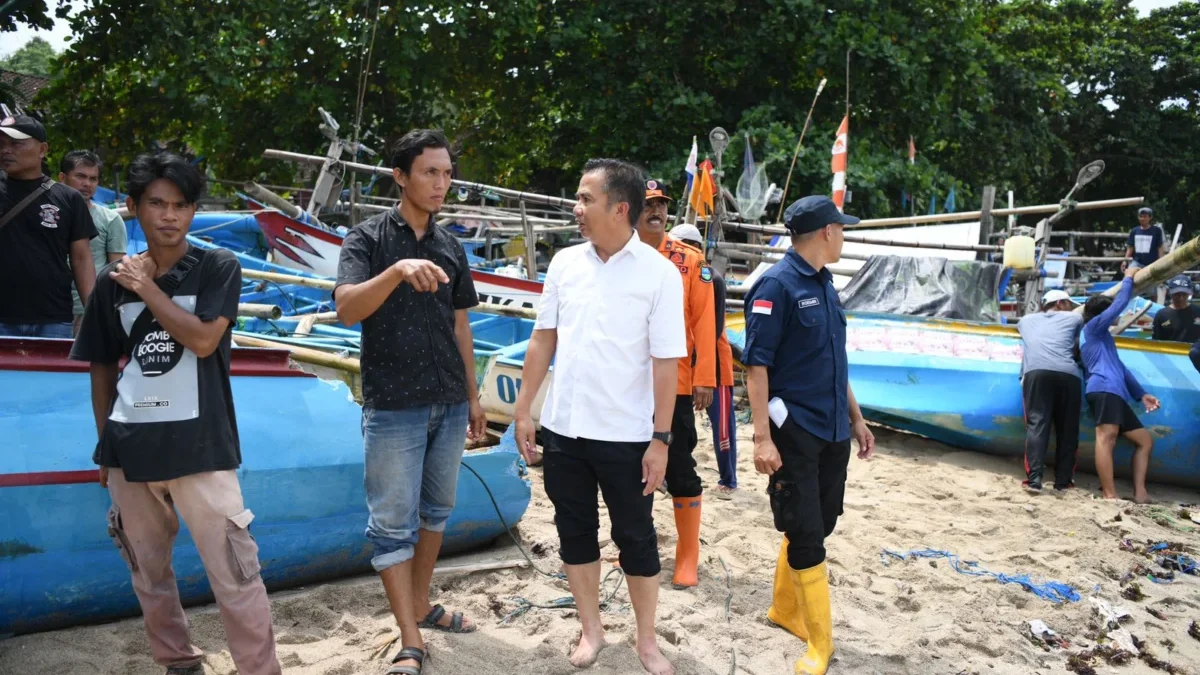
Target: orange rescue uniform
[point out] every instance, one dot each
(700, 323)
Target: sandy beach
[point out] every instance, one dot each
(890, 616)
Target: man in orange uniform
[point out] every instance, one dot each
(721, 413)
(697, 378)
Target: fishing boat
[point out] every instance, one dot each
(314, 250)
(301, 475)
(957, 382)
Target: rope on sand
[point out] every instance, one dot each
(1052, 591)
(567, 602)
(524, 605)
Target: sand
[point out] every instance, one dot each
(916, 616)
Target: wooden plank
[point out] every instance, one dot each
(986, 221)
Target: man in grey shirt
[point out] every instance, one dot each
(1052, 388)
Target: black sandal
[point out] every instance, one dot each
(436, 614)
(409, 653)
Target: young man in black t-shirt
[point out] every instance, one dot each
(168, 433)
(1180, 322)
(44, 244)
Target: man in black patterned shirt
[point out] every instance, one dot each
(407, 280)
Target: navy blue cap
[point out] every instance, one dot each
(1180, 284)
(811, 213)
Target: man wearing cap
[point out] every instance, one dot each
(720, 412)
(1051, 388)
(804, 415)
(1180, 322)
(696, 380)
(1147, 242)
(44, 232)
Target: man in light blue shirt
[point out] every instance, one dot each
(80, 169)
(1051, 388)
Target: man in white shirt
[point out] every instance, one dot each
(611, 319)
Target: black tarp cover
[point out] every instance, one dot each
(933, 287)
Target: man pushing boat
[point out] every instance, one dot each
(407, 280)
(611, 319)
(804, 415)
(1110, 385)
(1051, 389)
(697, 378)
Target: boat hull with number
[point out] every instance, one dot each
(957, 382)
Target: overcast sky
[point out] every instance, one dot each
(61, 33)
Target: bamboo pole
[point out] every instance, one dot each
(385, 171)
(961, 217)
(328, 284)
(310, 282)
(302, 354)
(259, 311)
(272, 200)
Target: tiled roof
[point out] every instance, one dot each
(27, 86)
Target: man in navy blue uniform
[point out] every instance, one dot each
(804, 415)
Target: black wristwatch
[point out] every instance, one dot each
(665, 436)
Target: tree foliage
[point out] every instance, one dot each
(1016, 94)
(36, 57)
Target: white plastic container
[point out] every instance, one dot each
(1019, 252)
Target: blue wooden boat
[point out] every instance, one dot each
(957, 382)
(301, 476)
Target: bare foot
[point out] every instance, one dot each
(587, 650)
(653, 660)
(1112, 495)
(1142, 498)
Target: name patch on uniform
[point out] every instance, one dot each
(809, 302)
(706, 274)
(761, 307)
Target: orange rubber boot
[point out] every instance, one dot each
(687, 548)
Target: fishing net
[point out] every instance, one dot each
(753, 189)
(932, 287)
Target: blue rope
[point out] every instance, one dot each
(1052, 591)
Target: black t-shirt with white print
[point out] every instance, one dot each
(172, 415)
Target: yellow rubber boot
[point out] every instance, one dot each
(812, 591)
(785, 610)
(687, 547)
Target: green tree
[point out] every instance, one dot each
(36, 57)
(1017, 94)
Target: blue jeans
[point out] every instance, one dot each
(36, 330)
(411, 464)
(724, 424)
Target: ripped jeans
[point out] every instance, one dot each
(143, 524)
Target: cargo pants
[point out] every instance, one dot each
(143, 524)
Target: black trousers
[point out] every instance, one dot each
(682, 479)
(1052, 399)
(573, 469)
(807, 492)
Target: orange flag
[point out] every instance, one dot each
(838, 163)
(702, 193)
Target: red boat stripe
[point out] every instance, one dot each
(49, 478)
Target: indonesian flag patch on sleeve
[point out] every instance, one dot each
(761, 307)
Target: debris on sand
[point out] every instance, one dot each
(1153, 661)
(1133, 592)
(1194, 630)
(1156, 613)
(1083, 662)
